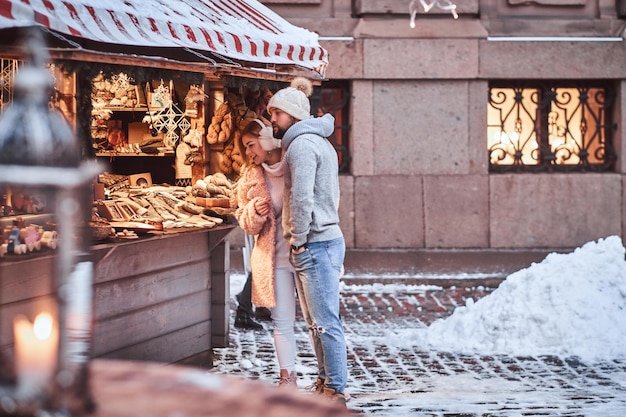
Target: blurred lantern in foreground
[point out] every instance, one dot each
(39, 156)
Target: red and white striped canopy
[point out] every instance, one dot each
(241, 30)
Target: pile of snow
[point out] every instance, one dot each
(570, 304)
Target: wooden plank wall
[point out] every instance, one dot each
(220, 294)
(24, 289)
(152, 298)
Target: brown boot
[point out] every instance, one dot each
(334, 396)
(317, 387)
(287, 379)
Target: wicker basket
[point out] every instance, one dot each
(100, 230)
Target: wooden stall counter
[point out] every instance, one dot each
(136, 389)
(162, 297)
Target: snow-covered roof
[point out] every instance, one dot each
(239, 30)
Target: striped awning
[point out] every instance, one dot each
(239, 30)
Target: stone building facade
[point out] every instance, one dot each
(420, 174)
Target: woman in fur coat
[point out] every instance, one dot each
(259, 212)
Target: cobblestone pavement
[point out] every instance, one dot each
(390, 381)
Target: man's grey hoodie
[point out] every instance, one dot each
(311, 197)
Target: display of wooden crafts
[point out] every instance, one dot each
(20, 240)
(100, 229)
(226, 125)
(31, 236)
(14, 246)
(214, 190)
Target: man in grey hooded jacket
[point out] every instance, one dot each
(311, 226)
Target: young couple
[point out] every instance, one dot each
(288, 197)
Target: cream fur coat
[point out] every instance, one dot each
(251, 187)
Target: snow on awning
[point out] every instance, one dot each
(239, 30)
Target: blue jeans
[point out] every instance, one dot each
(318, 271)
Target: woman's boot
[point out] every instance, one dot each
(243, 320)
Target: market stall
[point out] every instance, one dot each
(158, 95)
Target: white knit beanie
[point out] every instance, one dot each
(293, 100)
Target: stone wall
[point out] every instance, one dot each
(419, 175)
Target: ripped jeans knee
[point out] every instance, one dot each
(317, 330)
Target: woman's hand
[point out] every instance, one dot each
(262, 206)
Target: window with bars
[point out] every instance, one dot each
(334, 97)
(543, 126)
(8, 70)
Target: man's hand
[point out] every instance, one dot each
(296, 250)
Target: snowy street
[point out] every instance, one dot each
(397, 368)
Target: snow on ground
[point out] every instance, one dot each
(569, 305)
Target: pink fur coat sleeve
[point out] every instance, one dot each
(250, 188)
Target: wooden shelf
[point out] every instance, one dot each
(113, 153)
(137, 109)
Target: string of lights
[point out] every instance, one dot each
(428, 5)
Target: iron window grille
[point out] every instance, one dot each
(8, 71)
(334, 97)
(551, 126)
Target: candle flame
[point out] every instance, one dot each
(42, 327)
